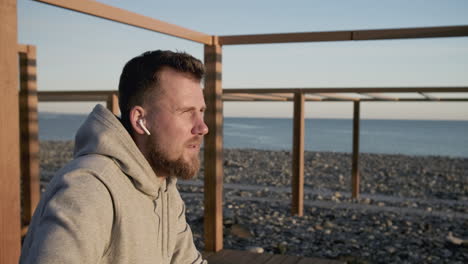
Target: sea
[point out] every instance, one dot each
(408, 137)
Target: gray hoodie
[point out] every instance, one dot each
(108, 206)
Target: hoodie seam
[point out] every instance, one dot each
(116, 217)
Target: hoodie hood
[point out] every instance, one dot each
(102, 133)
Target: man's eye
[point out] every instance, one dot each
(188, 112)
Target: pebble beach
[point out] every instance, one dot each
(409, 210)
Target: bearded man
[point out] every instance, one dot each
(117, 201)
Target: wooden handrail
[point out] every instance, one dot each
(285, 94)
(101, 10)
(74, 96)
(347, 35)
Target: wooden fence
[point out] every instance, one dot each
(298, 96)
(213, 144)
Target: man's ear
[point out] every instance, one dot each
(136, 114)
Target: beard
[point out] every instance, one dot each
(179, 167)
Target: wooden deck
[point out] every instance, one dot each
(227, 256)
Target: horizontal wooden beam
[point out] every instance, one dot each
(284, 95)
(380, 97)
(439, 89)
(429, 100)
(270, 96)
(284, 38)
(309, 97)
(234, 98)
(399, 33)
(337, 97)
(260, 96)
(430, 97)
(97, 9)
(407, 33)
(230, 98)
(74, 96)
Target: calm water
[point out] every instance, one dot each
(420, 137)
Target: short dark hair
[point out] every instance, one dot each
(139, 78)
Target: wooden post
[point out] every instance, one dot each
(113, 103)
(298, 156)
(29, 145)
(355, 181)
(10, 236)
(213, 222)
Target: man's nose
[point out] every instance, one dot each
(200, 128)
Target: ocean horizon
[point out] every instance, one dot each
(382, 136)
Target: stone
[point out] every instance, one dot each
(282, 247)
(446, 253)
(390, 250)
(329, 224)
(245, 194)
(372, 235)
(240, 231)
(254, 249)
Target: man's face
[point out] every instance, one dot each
(175, 120)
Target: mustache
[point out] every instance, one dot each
(195, 141)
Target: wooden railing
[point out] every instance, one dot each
(298, 96)
(110, 97)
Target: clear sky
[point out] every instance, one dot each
(81, 52)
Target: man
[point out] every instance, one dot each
(117, 201)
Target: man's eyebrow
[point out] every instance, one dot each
(184, 108)
(190, 108)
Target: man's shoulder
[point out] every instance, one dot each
(88, 168)
(91, 161)
(78, 183)
(88, 164)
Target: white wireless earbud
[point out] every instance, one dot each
(143, 127)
